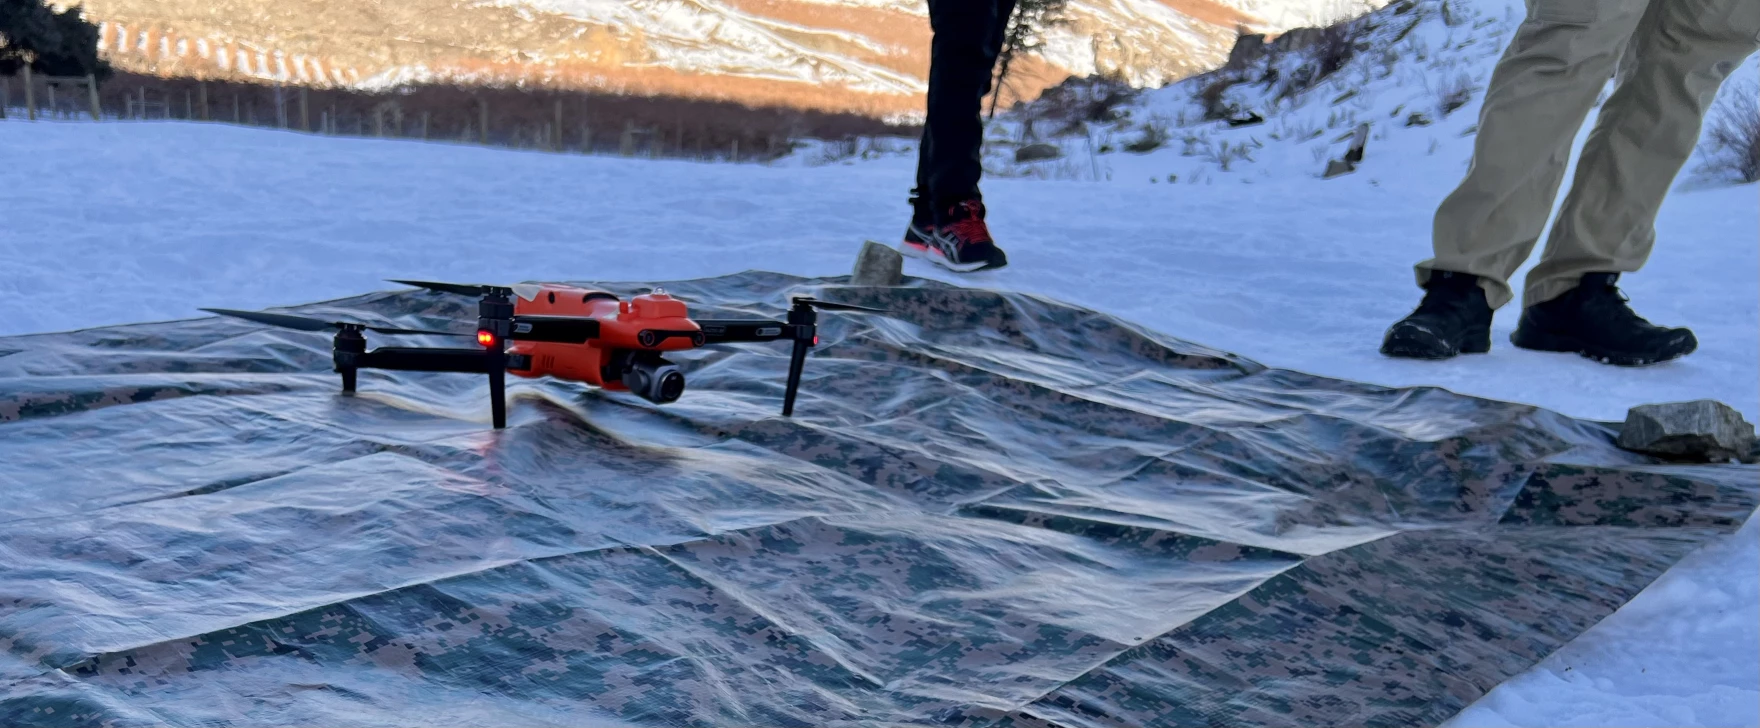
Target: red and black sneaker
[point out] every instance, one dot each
(959, 241)
(920, 236)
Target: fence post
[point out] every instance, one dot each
(5, 94)
(237, 118)
(483, 111)
(735, 157)
(202, 95)
(424, 126)
(305, 111)
(189, 104)
(586, 130)
(30, 94)
(557, 140)
(627, 147)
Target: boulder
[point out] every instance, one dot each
(1251, 119)
(1247, 48)
(1296, 39)
(1338, 167)
(1037, 152)
(1698, 431)
(1359, 139)
(878, 265)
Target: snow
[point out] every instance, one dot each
(1285, 14)
(127, 222)
(707, 37)
(1145, 26)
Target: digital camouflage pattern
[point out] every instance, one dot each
(989, 510)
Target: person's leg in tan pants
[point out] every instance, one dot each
(1671, 57)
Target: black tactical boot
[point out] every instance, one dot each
(1454, 318)
(1593, 320)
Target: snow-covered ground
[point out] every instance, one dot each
(114, 223)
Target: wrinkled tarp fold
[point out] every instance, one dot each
(990, 509)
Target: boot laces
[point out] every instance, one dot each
(970, 227)
(1612, 302)
(1443, 301)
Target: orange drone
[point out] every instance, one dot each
(567, 332)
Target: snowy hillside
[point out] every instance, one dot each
(1247, 249)
(708, 38)
(1414, 72)
(871, 55)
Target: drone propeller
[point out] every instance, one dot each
(834, 306)
(526, 291)
(462, 289)
(303, 323)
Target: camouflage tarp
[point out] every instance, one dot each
(989, 510)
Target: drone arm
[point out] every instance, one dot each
(730, 331)
(800, 328)
(558, 329)
(470, 361)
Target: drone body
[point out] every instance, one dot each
(567, 332)
(625, 355)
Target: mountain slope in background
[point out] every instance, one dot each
(869, 56)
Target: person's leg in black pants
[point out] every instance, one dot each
(947, 221)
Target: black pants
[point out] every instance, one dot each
(962, 57)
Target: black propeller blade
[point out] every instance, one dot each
(303, 323)
(526, 291)
(463, 289)
(834, 306)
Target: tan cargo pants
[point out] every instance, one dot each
(1671, 57)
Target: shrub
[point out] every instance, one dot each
(1153, 137)
(1731, 142)
(1456, 91)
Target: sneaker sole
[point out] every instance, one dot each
(1559, 344)
(1411, 342)
(920, 252)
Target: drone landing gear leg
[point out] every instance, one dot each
(347, 348)
(498, 397)
(796, 362)
(803, 319)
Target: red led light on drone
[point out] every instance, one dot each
(486, 338)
